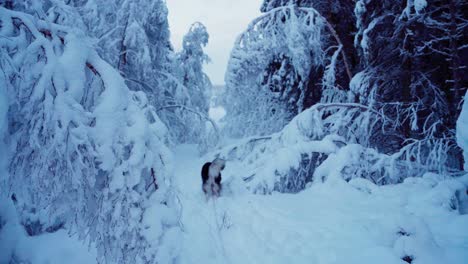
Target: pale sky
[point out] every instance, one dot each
(224, 19)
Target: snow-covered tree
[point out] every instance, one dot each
(399, 102)
(191, 60)
(134, 37)
(188, 68)
(340, 22)
(270, 61)
(283, 63)
(408, 51)
(87, 154)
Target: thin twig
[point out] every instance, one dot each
(156, 187)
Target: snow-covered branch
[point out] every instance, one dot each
(201, 115)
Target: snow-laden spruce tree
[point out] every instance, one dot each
(267, 68)
(134, 37)
(281, 65)
(395, 116)
(340, 22)
(191, 60)
(410, 61)
(128, 33)
(87, 154)
(188, 68)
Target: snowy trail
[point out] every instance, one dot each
(197, 216)
(329, 223)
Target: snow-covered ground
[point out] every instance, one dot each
(48, 248)
(333, 222)
(216, 113)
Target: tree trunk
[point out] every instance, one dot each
(454, 58)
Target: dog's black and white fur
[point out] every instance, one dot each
(211, 177)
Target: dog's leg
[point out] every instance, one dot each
(206, 191)
(216, 190)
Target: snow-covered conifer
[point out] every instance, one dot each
(189, 70)
(87, 154)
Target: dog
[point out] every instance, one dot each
(211, 177)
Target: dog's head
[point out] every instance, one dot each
(220, 163)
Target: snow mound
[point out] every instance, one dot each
(16, 246)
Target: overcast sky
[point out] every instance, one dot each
(224, 19)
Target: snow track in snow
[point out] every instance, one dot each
(335, 222)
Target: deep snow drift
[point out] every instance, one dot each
(56, 247)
